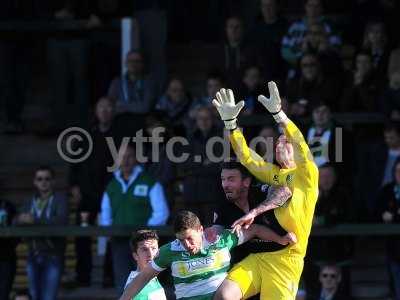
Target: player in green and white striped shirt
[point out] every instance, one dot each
(198, 266)
(144, 245)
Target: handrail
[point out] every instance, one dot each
(166, 231)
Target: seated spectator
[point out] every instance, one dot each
(377, 159)
(266, 35)
(388, 208)
(363, 92)
(249, 90)
(265, 148)
(175, 103)
(234, 54)
(328, 141)
(292, 42)
(390, 99)
(214, 83)
(334, 206)
(312, 86)
(132, 197)
(88, 180)
(330, 278)
(376, 43)
(22, 295)
(201, 187)
(45, 255)
(316, 41)
(135, 91)
(8, 255)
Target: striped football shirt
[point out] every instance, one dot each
(197, 276)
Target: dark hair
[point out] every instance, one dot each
(135, 51)
(392, 126)
(22, 292)
(331, 265)
(233, 164)
(319, 104)
(140, 236)
(328, 165)
(186, 220)
(45, 168)
(215, 74)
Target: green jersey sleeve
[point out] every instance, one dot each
(229, 239)
(164, 258)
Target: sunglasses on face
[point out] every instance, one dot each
(327, 275)
(43, 179)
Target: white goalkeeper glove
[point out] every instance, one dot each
(227, 109)
(273, 103)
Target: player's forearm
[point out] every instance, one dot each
(264, 233)
(135, 286)
(277, 197)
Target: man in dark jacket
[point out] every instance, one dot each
(330, 277)
(46, 255)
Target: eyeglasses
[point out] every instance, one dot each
(326, 275)
(43, 179)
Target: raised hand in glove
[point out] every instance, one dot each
(227, 109)
(273, 103)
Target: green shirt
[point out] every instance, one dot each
(197, 276)
(152, 290)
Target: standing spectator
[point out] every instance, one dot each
(362, 94)
(266, 35)
(377, 159)
(159, 166)
(131, 198)
(175, 103)
(292, 42)
(15, 61)
(8, 255)
(376, 43)
(46, 255)
(201, 188)
(134, 92)
(88, 180)
(330, 278)
(312, 86)
(68, 57)
(234, 53)
(388, 208)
